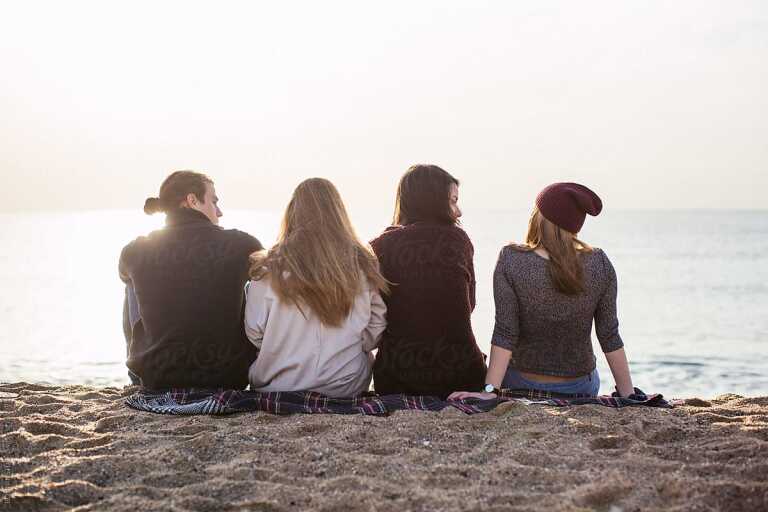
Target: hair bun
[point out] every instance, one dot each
(152, 205)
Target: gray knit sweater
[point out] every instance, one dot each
(547, 331)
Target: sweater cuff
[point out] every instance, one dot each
(614, 344)
(503, 340)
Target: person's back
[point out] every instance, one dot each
(429, 347)
(314, 306)
(187, 282)
(550, 332)
(299, 352)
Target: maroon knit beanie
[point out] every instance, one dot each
(567, 205)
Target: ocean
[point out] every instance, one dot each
(693, 292)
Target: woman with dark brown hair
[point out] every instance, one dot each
(314, 304)
(428, 347)
(548, 291)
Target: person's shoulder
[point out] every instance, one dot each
(260, 289)
(390, 232)
(142, 241)
(250, 242)
(422, 231)
(598, 260)
(451, 233)
(596, 254)
(387, 236)
(458, 237)
(518, 252)
(457, 232)
(129, 249)
(141, 245)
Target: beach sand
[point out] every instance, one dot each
(65, 447)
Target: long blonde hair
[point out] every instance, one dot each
(318, 259)
(565, 266)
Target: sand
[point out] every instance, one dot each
(79, 447)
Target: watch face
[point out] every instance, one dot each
(489, 388)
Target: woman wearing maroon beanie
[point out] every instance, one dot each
(428, 347)
(547, 292)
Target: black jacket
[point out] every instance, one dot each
(188, 279)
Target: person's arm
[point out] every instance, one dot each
(376, 324)
(253, 244)
(617, 361)
(256, 312)
(122, 272)
(472, 281)
(607, 329)
(497, 367)
(122, 265)
(127, 324)
(505, 330)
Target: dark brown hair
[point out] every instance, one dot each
(565, 267)
(424, 194)
(175, 189)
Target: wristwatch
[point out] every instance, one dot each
(490, 388)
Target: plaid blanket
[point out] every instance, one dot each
(219, 402)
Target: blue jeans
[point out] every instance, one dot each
(587, 385)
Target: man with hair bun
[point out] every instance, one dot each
(183, 314)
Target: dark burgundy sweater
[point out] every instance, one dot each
(189, 279)
(428, 347)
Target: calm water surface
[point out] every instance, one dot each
(693, 292)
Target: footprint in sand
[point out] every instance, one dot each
(48, 408)
(668, 435)
(697, 402)
(737, 449)
(610, 442)
(22, 444)
(41, 399)
(91, 442)
(73, 493)
(49, 427)
(112, 423)
(310, 429)
(603, 496)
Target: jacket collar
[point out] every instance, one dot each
(181, 216)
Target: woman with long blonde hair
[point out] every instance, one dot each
(314, 306)
(548, 291)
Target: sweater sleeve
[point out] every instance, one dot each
(257, 307)
(122, 265)
(507, 326)
(466, 255)
(376, 324)
(253, 244)
(606, 321)
(472, 281)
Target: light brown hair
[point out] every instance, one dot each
(565, 267)
(318, 260)
(175, 189)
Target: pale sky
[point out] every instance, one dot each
(654, 104)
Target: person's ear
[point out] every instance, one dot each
(191, 200)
